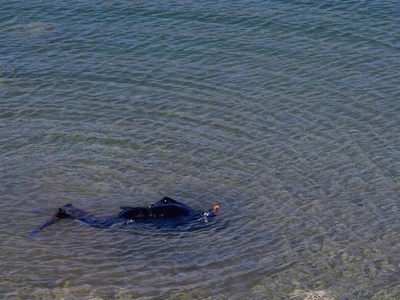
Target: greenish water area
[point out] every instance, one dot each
(285, 113)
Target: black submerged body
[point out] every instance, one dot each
(165, 209)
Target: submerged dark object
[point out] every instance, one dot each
(165, 209)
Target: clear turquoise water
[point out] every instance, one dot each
(287, 114)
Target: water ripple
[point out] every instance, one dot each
(283, 113)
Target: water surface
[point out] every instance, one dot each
(286, 114)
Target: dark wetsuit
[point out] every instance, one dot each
(165, 209)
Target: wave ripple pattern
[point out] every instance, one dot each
(286, 113)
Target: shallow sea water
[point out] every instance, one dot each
(286, 114)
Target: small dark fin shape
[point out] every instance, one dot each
(34, 232)
(166, 200)
(58, 214)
